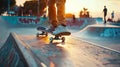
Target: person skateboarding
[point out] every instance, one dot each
(56, 14)
(105, 14)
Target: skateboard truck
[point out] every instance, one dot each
(43, 33)
(57, 37)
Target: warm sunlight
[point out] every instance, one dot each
(94, 6)
(20, 2)
(77, 5)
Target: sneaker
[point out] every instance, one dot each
(50, 29)
(60, 29)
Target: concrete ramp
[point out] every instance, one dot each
(102, 35)
(79, 24)
(15, 53)
(97, 30)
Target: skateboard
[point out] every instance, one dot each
(59, 36)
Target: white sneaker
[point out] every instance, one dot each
(50, 29)
(59, 29)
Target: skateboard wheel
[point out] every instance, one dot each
(51, 39)
(37, 35)
(63, 39)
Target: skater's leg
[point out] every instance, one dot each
(52, 13)
(105, 14)
(60, 4)
(58, 22)
(104, 19)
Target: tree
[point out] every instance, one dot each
(84, 13)
(4, 5)
(32, 7)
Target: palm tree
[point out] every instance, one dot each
(84, 13)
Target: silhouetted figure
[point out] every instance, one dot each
(112, 15)
(105, 14)
(74, 19)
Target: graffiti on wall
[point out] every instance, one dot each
(29, 20)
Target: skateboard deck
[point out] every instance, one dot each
(56, 37)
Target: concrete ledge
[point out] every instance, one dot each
(25, 50)
(112, 51)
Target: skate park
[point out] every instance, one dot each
(90, 43)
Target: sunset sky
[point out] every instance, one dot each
(94, 6)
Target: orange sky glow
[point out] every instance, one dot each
(95, 7)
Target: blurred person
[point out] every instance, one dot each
(105, 14)
(112, 15)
